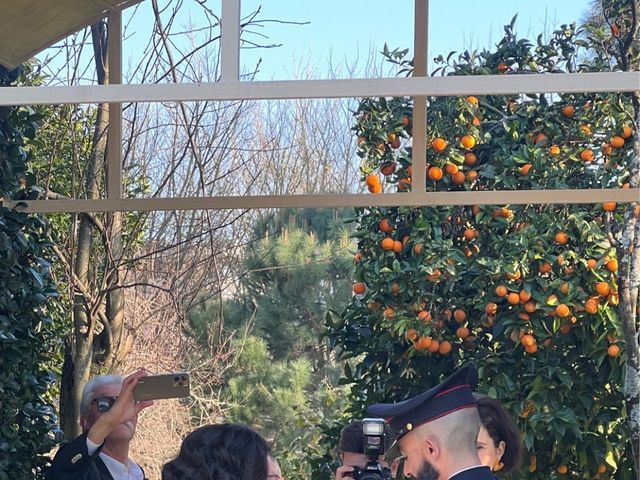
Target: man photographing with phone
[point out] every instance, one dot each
(108, 416)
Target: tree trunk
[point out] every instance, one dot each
(79, 349)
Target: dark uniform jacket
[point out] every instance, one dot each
(476, 473)
(73, 462)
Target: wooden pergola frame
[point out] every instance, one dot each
(420, 86)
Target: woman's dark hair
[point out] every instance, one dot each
(220, 452)
(501, 428)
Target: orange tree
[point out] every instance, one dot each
(530, 293)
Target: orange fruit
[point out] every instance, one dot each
(591, 263)
(417, 248)
(612, 265)
(410, 171)
(435, 173)
(472, 100)
(513, 298)
(627, 131)
(468, 142)
(435, 275)
(613, 350)
(544, 267)
(424, 316)
(445, 348)
(585, 130)
(458, 178)
(459, 315)
(374, 306)
(562, 469)
(602, 468)
(525, 296)
(591, 306)
(531, 348)
(475, 122)
(388, 168)
(562, 311)
(388, 313)
(609, 206)
(560, 259)
(411, 334)
(385, 225)
(470, 158)
(397, 246)
(491, 308)
(395, 288)
(359, 288)
(568, 111)
(527, 340)
(372, 179)
(514, 276)
(587, 155)
(540, 138)
(554, 150)
(472, 175)
(404, 184)
(375, 188)
(439, 144)
(603, 289)
(451, 168)
(387, 243)
(564, 288)
(501, 291)
(524, 170)
(469, 234)
(462, 332)
(503, 67)
(562, 238)
(530, 307)
(606, 149)
(434, 346)
(423, 343)
(617, 142)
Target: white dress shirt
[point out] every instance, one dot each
(119, 471)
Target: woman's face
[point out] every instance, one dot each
(489, 453)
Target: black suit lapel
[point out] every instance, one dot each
(102, 468)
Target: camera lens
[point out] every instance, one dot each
(176, 378)
(184, 378)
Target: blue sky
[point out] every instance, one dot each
(348, 29)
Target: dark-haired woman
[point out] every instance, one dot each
(499, 443)
(220, 452)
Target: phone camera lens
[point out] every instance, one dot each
(176, 378)
(184, 378)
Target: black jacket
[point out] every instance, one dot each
(476, 473)
(73, 462)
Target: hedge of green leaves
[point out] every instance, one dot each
(27, 417)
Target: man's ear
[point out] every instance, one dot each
(85, 423)
(431, 448)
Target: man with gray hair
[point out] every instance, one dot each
(108, 417)
(437, 431)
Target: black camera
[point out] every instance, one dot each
(373, 430)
